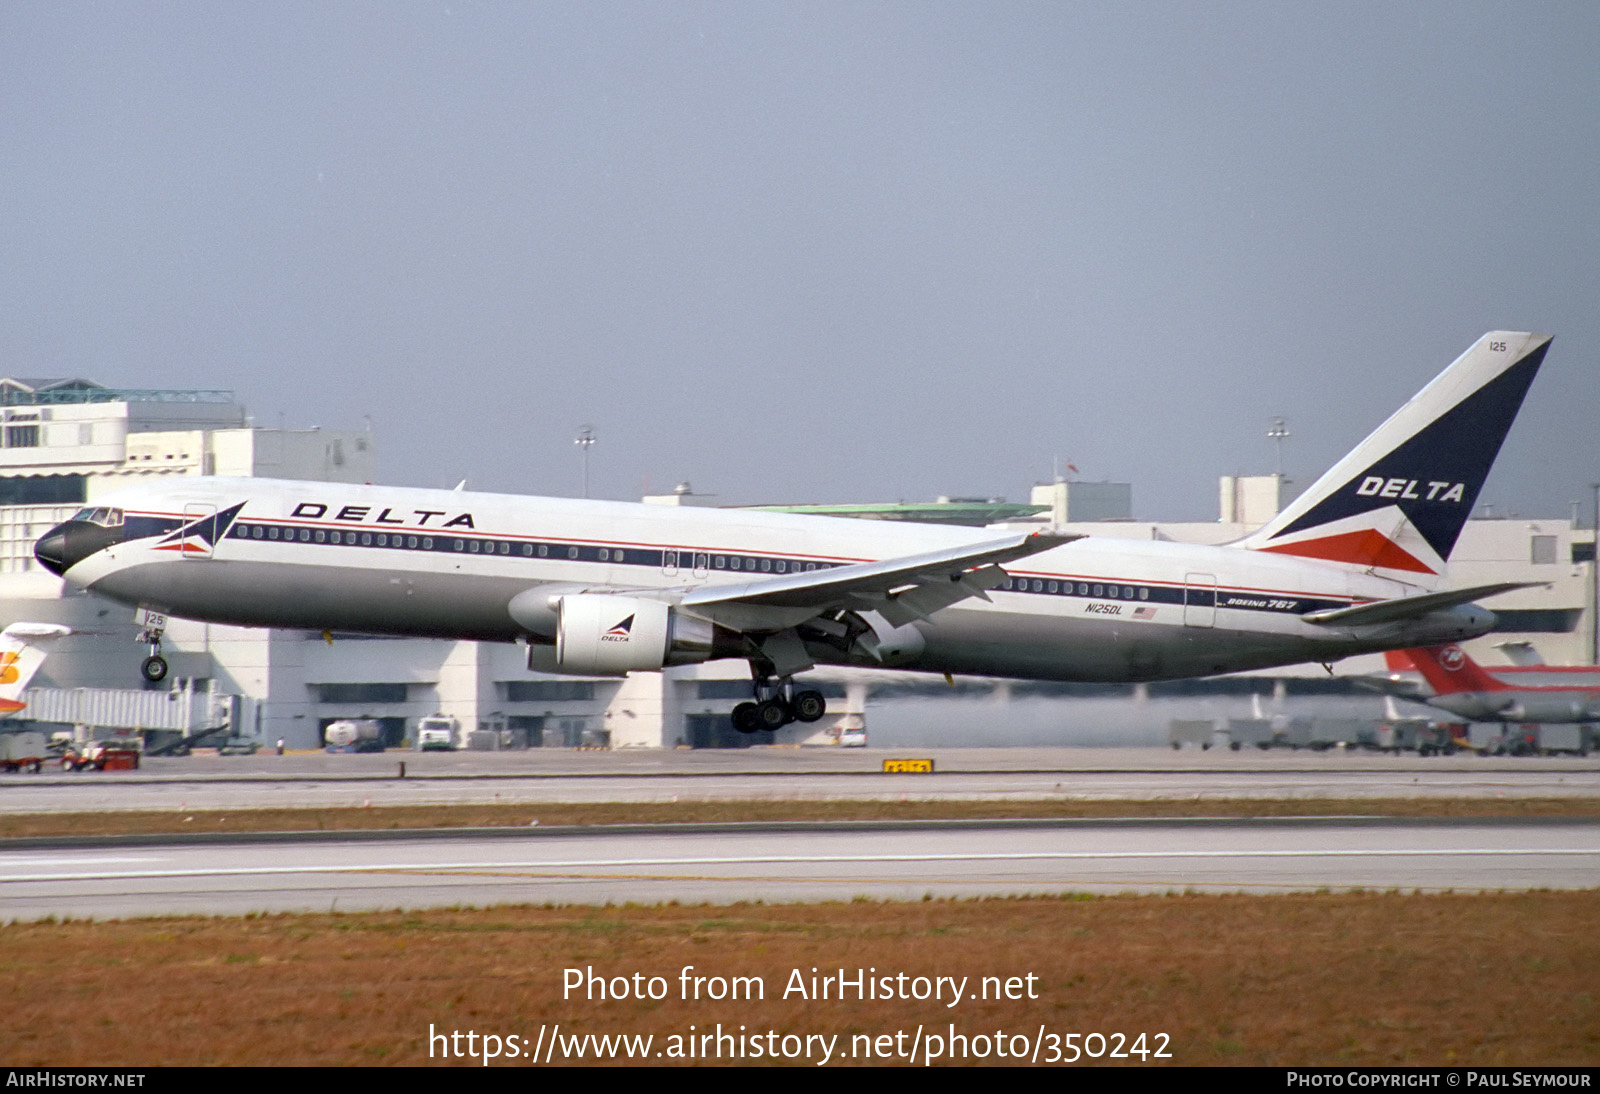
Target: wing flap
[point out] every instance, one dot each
(902, 589)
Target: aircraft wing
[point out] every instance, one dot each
(1410, 607)
(27, 632)
(901, 589)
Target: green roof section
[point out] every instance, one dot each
(971, 512)
(30, 391)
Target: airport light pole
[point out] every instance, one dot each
(1279, 432)
(585, 441)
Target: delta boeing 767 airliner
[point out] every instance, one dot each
(1355, 565)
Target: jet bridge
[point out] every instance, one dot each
(187, 711)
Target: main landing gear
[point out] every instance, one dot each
(777, 704)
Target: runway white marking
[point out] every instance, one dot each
(23, 860)
(746, 860)
(785, 863)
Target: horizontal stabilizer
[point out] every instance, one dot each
(1410, 607)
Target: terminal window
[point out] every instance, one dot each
(43, 490)
(361, 693)
(538, 691)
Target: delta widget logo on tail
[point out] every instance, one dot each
(1399, 500)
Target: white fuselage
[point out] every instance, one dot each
(448, 564)
(1548, 705)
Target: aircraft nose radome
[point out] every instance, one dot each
(51, 550)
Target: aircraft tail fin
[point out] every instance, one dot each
(1398, 501)
(1449, 670)
(23, 647)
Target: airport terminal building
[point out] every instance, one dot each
(67, 442)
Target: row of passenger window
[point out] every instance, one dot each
(407, 542)
(700, 560)
(697, 560)
(582, 553)
(1087, 588)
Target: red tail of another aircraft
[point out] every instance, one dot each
(1447, 669)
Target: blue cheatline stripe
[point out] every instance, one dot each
(1102, 589)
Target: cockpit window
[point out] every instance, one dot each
(103, 516)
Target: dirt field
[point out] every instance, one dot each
(1336, 979)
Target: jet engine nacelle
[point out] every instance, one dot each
(605, 635)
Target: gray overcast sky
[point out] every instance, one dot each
(818, 251)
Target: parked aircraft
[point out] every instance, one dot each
(23, 648)
(1355, 565)
(1469, 691)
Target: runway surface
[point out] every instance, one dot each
(721, 864)
(108, 878)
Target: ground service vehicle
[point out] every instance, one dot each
(25, 750)
(354, 735)
(436, 733)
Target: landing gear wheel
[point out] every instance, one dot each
(746, 719)
(772, 714)
(154, 668)
(809, 706)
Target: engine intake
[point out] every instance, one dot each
(605, 635)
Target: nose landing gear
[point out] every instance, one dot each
(154, 667)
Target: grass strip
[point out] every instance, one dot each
(491, 816)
